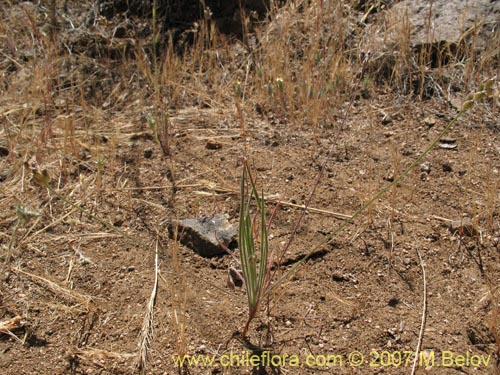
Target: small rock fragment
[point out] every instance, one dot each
(447, 167)
(387, 119)
(213, 145)
(148, 153)
(425, 167)
(448, 143)
(205, 235)
(430, 121)
(464, 227)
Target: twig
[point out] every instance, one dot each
(424, 317)
(271, 198)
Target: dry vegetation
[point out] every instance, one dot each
(106, 136)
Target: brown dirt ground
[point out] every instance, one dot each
(363, 292)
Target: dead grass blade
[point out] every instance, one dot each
(7, 326)
(66, 294)
(146, 336)
(269, 198)
(11, 324)
(424, 316)
(99, 357)
(50, 225)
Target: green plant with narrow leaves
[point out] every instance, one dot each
(253, 247)
(256, 260)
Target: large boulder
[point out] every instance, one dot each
(450, 21)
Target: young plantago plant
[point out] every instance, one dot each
(253, 244)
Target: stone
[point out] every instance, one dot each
(436, 33)
(148, 153)
(447, 167)
(450, 20)
(464, 227)
(447, 143)
(430, 121)
(425, 167)
(206, 235)
(213, 145)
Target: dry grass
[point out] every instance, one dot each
(147, 334)
(64, 293)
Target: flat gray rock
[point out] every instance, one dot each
(205, 235)
(450, 19)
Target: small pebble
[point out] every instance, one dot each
(425, 167)
(430, 121)
(4, 151)
(447, 167)
(386, 120)
(213, 145)
(148, 153)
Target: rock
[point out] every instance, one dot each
(450, 21)
(213, 145)
(425, 167)
(4, 151)
(430, 121)
(148, 153)
(438, 32)
(447, 167)
(464, 227)
(205, 235)
(387, 119)
(447, 143)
